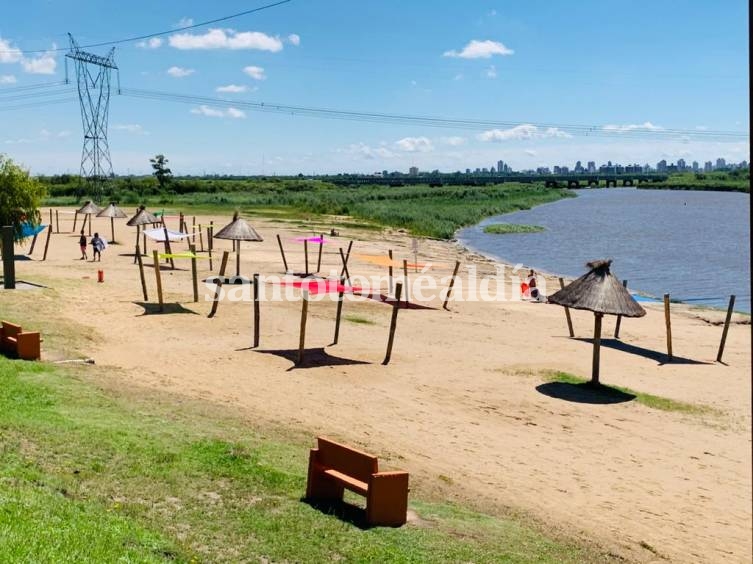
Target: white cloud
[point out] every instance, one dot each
(524, 131)
(454, 141)
(232, 88)
(645, 126)
(415, 144)
(491, 72)
(214, 112)
(480, 50)
(368, 152)
(530, 152)
(458, 77)
(134, 128)
(255, 72)
(8, 53)
(701, 127)
(184, 22)
(294, 39)
(64, 133)
(153, 43)
(179, 72)
(7, 79)
(44, 64)
(226, 39)
(492, 13)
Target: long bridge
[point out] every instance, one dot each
(549, 180)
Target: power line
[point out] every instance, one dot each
(37, 104)
(12, 89)
(157, 34)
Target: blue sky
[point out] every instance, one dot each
(636, 67)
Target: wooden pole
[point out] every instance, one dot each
(405, 275)
(155, 254)
(347, 258)
(47, 242)
(194, 273)
(33, 244)
(138, 235)
(726, 327)
(389, 274)
(141, 272)
(145, 251)
(112, 229)
(237, 258)
(89, 217)
(319, 258)
(619, 317)
(257, 313)
(9, 258)
(338, 315)
(201, 240)
(223, 266)
(306, 255)
(597, 348)
(567, 314)
(75, 219)
(452, 283)
(50, 218)
(282, 252)
(193, 230)
(83, 225)
(302, 339)
(209, 246)
(57, 222)
(393, 323)
(168, 248)
(668, 321)
(345, 266)
(180, 222)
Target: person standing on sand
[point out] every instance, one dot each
(98, 245)
(82, 246)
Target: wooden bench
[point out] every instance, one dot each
(15, 342)
(334, 467)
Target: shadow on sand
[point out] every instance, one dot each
(660, 357)
(584, 393)
(312, 358)
(151, 309)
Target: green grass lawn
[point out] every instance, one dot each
(88, 475)
(505, 228)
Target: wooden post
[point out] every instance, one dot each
(237, 258)
(9, 258)
(201, 239)
(338, 315)
(567, 314)
(57, 222)
(89, 217)
(194, 273)
(193, 230)
(726, 327)
(209, 246)
(50, 218)
(155, 254)
(47, 242)
(452, 283)
(345, 266)
(33, 244)
(141, 272)
(83, 225)
(138, 235)
(389, 274)
(145, 251)
(302, 339)
(597, 348)
(319, 258)
(223, 266)
(393, 323)
(668, 321)
(619, 317)
(75, 219)
(168, 248)
(180, 222)
(210, 235)
(347, 258)
(257, 313)
(306, 255)
(405, 275)
(282, 252)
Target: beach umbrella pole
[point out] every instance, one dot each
(597, 348)
(112, 229)
(238, 258)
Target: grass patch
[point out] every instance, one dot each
(88, 476)
(505, 228)
(649, 400)
(358, 319)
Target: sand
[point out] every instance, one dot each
(461, 404)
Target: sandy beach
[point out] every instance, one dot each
(463, 404)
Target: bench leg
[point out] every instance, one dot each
(320, 486)
(387, 499)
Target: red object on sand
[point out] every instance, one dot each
(320, 286)
(100, 276)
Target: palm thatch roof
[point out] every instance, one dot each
(599, 291)
(238, 230)
(142, 217)
(90, 208)
(112, 211)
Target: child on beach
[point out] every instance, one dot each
(82, 246)
(98, 245)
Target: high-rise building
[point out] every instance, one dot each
(591, 166)
(708, 166)
(695, 166)
(681, 164)
(721, 163)
(578, 167)
(661, 166)
(500, 166)
(467, 170)
(413, 171)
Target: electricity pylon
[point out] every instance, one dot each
(93, 78)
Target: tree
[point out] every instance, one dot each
(161, 172)
(20, 196)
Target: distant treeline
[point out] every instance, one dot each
(718, 181)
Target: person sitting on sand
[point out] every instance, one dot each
(82, 246)
(98, 245)
(534, 291)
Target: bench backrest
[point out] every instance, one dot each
(10, 330)
(355, 463)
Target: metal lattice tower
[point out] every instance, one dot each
(93, 78)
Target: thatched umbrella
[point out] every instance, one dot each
(601, 292)
(89, 209)
(112, 211)
(238, 230)
(142, 217)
